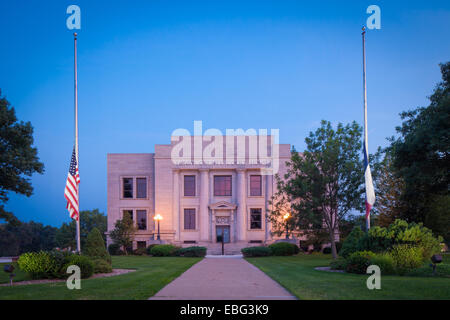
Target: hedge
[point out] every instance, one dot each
(256, 251)
(163, 250)
(194, 251)
(283, 249)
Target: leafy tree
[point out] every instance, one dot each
(421, 156)
(123, 232)
(325, 182)
(20, 237)
(18, 157)
(89, 219)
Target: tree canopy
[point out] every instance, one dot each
(18, 157)
(324, 182)
(421, 158)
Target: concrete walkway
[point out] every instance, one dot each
(223, 279)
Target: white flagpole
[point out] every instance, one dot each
(365, 107)
(76, 139)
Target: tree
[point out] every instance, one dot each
(325, 182)
(89, 219)
(95, 246)
(18, 157)
(388, 188)
(421, 155)
(19, 237)
(123, 232)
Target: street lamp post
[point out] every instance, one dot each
(286, 217)
(158, 218)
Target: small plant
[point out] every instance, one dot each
(358, 262)
(101, 266)
(256, 251)
(114, 249)
(163, 250)
(85, 264)
(338, 264)
(406, 258)
(384, 261)
(283, 249)
(38, 264)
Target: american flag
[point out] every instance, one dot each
(71, 191)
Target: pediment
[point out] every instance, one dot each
(222, 205)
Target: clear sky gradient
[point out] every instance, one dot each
(147, 68)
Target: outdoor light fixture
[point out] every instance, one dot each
(435, 259)
(158, 218)
(9, 268)
(286, 217)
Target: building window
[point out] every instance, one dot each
(141, 244)
(255, 219)
(189, 219)
(222, 186)
(128, 187)
(141, 216)
(141, 188)
(189, 186)
(255, 185)
(129, 213)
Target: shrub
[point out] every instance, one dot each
(256, 251)
(191, 252)
(163, 250)
(406, 258)
(380, 239)
(338, 264)
(149, 249)
(85, 264)
(60, 258)
(114, 249)
(326, 250)
(102, 266)
(283, 249)
(140, 251)
(384, 261)
(38, 264)
(358, 262)
(351, 243)
(95, 246)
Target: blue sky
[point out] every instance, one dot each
(147, 68)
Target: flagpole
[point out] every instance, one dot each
(365, 107)
(76, 138)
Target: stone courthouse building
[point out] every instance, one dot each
(202, 186)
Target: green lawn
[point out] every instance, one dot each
(152, 275)
(297, 274)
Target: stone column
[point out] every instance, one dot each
(204, 199)
(176, 203)
(241, 215)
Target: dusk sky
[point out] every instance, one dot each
(146, 68)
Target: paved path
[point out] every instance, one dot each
(223, 279)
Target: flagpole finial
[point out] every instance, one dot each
(364, 30)
(75, 35)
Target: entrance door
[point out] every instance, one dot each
(223, 231)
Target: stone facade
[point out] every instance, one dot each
(158, 182)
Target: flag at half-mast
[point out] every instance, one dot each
(71, 191)
(370, 192)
